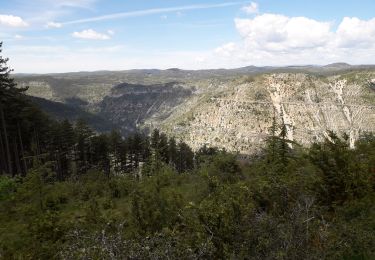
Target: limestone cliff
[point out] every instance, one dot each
(239, 116)
(233, 109)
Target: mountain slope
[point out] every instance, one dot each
(232, 109)
(240, 115)
(61, 111)
(128, 105)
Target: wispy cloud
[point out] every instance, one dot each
(53, 25)
(45, 13)
(252, 8)
(90, 34)
(85, 4)
(152, 11)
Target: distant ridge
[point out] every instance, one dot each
(338, 66)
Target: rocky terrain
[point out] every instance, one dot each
(233, 109)
(129, 105)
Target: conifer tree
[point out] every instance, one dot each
(185, 157)
(172, 151)
(115, 144)
(163, 148)
(83, 135)
(8, 93)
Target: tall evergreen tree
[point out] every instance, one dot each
(115, 144)
(172, 151)
(163, 148)
(83, 135)
(8, 94)
(185, 157)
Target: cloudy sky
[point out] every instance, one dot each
(84, 35)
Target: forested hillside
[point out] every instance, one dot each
(68, 192)
(72, 112)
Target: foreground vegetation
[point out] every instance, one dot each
(304, 204)
(69, 193)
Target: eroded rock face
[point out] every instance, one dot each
(233, 112)
(310, 106)
(129, 105)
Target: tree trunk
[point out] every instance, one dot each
(16, 159)
(2, 155)
(22, 151)
(59, 168)
(3, 125)
(37, 142)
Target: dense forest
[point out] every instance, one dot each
(67, 192)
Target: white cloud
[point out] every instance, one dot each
(18, 37)
(53, 25)
(278, 32)
(272, 39)
(11, 20)
(111, 32)
(226, 49)
(252, 8)
(354, 33)
(108, 49)
(90, 34)
(200, 59)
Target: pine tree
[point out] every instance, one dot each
(8, 94)
(115, 144)
(83, 135)
(123, 156)
(278, 148)
(99, 153)
(284, 143)
(68, 135)
(163, 148)
(155, 139)
(172, 152)
(272, 141)
(155, 149)
(63, 140)
(185, 157)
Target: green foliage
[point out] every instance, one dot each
(218, 210)
(155, 205)
(223, 168)
(7, 187)
(344, 172)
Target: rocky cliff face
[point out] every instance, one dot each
(239, 117)
(233, 109)
(130, 105)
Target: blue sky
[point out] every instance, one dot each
(83, 35)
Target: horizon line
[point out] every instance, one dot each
(175, 68)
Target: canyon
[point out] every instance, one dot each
(231, 109)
